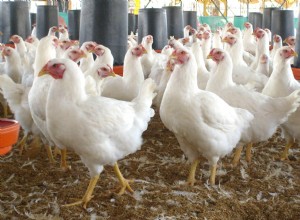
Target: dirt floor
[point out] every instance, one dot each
(266, 188)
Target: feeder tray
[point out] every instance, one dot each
(9, 133)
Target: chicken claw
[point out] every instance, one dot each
(191, 179)
(248, 152)
(63, 163)
(88, 194)
(124, 182)
(21, 144)
(49, 153)
(285, 153)
(213, 171)
(237, 156)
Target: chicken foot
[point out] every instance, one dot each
(213, 171)
(248, 152)
(63, 162)
(49, 153)
(191, 178)
(22, 143)
(88, 194)
(124, 182)
(5, 110)
(237, 156)
(285, 153)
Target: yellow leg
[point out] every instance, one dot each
(63, 162)
(237, 156)
(21, 144)
(124, 183)
(35, 147)
(285, 153)
(191, 179)
(56, 151)
(88, 194)
(213, 170)
(50, 155)
(248, 152)
(5, 110)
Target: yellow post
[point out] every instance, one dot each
(137, 6)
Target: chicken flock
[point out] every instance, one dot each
(217, 92)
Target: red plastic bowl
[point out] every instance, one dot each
(9, 133)
(296, 72)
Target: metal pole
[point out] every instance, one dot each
(219, 10)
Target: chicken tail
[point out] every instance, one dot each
(289, 105)
(143, 101)
(147, 93)
(11, 91)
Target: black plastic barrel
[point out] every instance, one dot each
(106, 22)
(267, 17)
(190, 18)
(14, 19)
(153, 21)
(32, 19)
(74, 24)
(256, 19)
(131, 23)
(283, 23)
(46, 17)
(174, 21)
(136, 22)
(297, 59)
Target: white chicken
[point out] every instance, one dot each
(262, 47)
(277, 43)
(104, 58)
(282, 83)
(165, 76)
(202, 72)
(242, 74)
(13, 65)
(263, 65)
(104, 55)
(217, 39)
(291, 41)
(202, 122)
(37, 95)
(17, 98)
(249, 40)
(27, 54)
(63, 32)
(87, 63)
(74, 54)
(53, 30)
(148, 60)
(128, 86)
(110, 129)
(159, 66)
(268, 112)
(32, 40)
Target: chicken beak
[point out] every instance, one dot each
(144, 50)
(112, 73)
(294, 53)
(83, 54)
(224, 40)
(209, 56)
(43, 71)
(173, 56)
